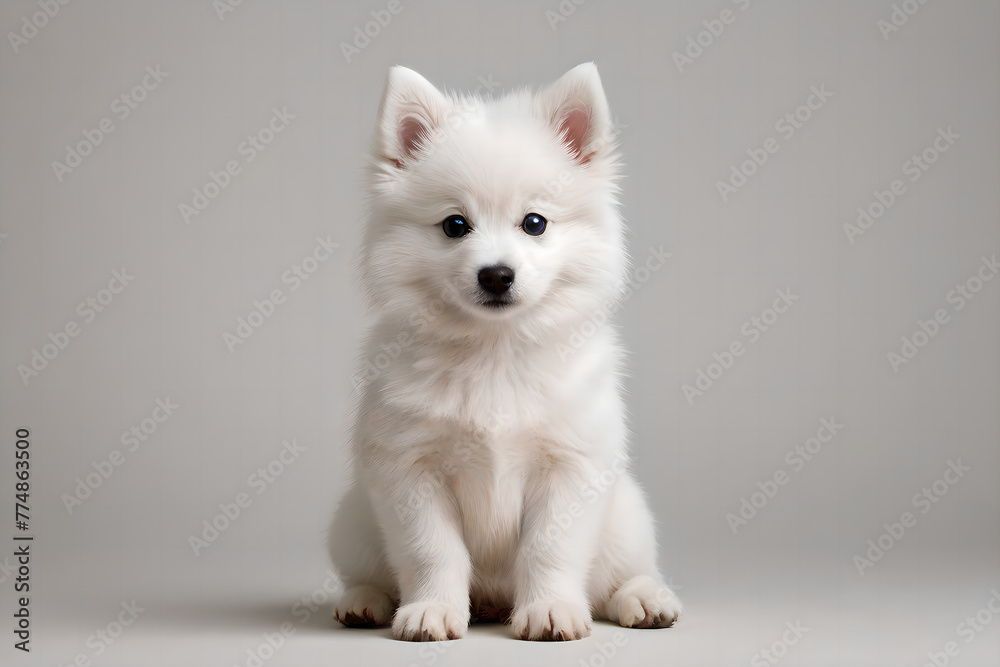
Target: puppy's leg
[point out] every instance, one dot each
(625, 583)
(557, 543)
(357, 550)
(424, 544)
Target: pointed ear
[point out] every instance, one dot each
(577, 110)
(410, 112)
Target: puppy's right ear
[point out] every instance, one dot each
(577, 109)
(410, 113)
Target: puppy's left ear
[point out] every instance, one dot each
(577, 109)
(410, 113)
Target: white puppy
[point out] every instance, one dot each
(490, 438)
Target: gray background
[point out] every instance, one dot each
(681, 131)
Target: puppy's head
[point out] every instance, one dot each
(494, 213)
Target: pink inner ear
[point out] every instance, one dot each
(575, 127)
(411, 134)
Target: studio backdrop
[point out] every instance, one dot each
(812, 190)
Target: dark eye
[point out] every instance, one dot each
(533, 224)
(455, 226)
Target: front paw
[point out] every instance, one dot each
(364, 607)
(643, 603)
(551, 620)
(429, 622)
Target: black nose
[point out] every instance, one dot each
(496, 279)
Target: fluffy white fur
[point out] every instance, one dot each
(490, 443)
